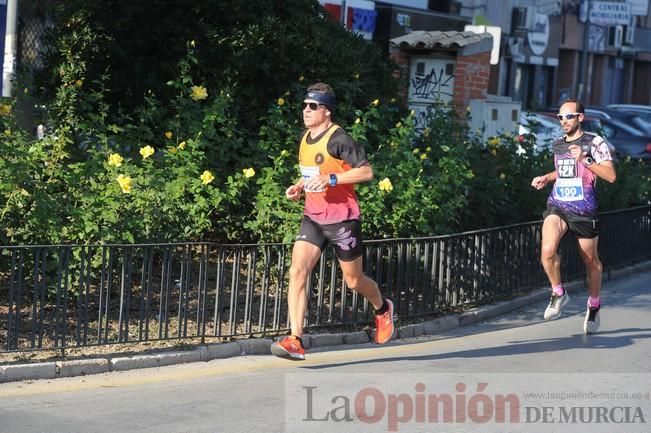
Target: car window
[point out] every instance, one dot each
(608, 131)
(626, 128)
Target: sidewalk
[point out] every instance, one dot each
(105, 364)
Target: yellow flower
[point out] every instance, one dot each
(79, 83)
(375, 103)
(199, 93)
(146, 152)
(301, 78)
(168, 134)
(5, 109)
(385, 185)
(125, 183)
(171, 149)
(207, 177)
(193, 44)
(356, 76)
(494, 141)
(399, 125)
(115, 159)
(182, 145)
(423, 156)
(357, 120)
(502, 176)
(281, 102)
(248, 172)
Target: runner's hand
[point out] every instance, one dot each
(539, 182)
(294, 191)
(318, 182)
(576, 152)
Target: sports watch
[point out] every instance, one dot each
(588, 161)
(333, 179)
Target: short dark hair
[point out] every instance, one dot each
(579, 105)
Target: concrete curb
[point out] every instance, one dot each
(81, 367)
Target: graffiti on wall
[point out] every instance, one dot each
(431, 82)
(434, 86)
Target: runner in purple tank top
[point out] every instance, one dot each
(579, 159)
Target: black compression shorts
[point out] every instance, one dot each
(345, 237)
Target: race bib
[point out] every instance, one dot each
(568, 189)
(566, 168)
(307, 173)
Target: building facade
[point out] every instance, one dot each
(599, 51)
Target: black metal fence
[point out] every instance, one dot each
(63, 296)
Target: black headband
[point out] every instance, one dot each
(321, 98)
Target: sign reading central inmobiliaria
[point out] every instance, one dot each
(491, 402)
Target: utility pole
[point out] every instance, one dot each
(9, 62)
(580, 93)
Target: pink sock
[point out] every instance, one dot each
(558, 290)
(594, 302)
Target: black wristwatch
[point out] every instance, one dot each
(588, 161)
(333, 179)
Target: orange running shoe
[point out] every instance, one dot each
(289, 347)
(384, 325)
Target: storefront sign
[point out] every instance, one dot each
(539, 37)
(360, 16)
(609, 13)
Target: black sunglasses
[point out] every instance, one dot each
(313, 105)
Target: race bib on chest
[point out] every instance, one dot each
(307, 173)
(568, 189)
(568, 186)
(566, 168)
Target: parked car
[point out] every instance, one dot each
(641, 111)
(633, 119)
(628, 140)
(544, 128)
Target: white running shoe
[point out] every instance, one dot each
(556, 303)
(591, 322)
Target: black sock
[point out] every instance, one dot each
(384, 308)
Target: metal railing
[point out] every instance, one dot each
(64, 296)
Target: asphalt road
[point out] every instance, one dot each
(512, 354)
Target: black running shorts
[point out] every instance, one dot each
(345, 237)
(583, 227)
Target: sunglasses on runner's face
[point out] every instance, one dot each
(313, 105)
(567, 116)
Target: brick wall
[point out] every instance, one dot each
(471, 78)
(401, 59)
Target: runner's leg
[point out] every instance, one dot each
(304, 257)
(553, 230)
(593, 266)
(355, 278)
